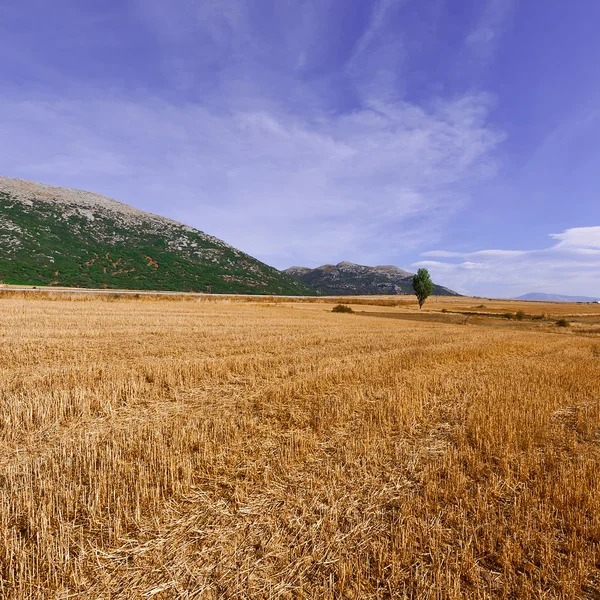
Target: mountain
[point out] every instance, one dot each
(555, 298)
(57, 236)
(347, 279)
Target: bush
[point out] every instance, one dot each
(562, 323)
(341, 308)
(520, 315)
(508, 315)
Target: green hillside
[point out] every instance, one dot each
(54, 236)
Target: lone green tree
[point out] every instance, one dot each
(422, 285)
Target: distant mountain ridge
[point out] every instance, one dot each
(556, 297)
(348, 279)
(60, 236)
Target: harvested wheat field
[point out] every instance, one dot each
(157, 448)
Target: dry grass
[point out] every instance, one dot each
(226, 449)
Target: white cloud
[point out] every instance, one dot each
(572, 266)
(283, 187)
(579, 237)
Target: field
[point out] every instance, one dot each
(227, 448)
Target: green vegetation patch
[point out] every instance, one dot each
(52, 244)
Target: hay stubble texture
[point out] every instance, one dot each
(162, 449)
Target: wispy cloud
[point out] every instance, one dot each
(358, 186)
(483, 39)
(245, 130)
(572, 266)
(375, 64)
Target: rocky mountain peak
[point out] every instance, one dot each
(347, 278)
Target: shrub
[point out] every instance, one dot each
(508, 315)
(520, 315)
(341, 308)
(562, 323)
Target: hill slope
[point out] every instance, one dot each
(346, 279)
(555, 297)
(57, 236)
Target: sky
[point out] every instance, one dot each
(463, 137)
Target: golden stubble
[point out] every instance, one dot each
(152, 448)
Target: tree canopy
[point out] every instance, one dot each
(422, 285)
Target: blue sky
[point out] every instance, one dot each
(460, 136)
